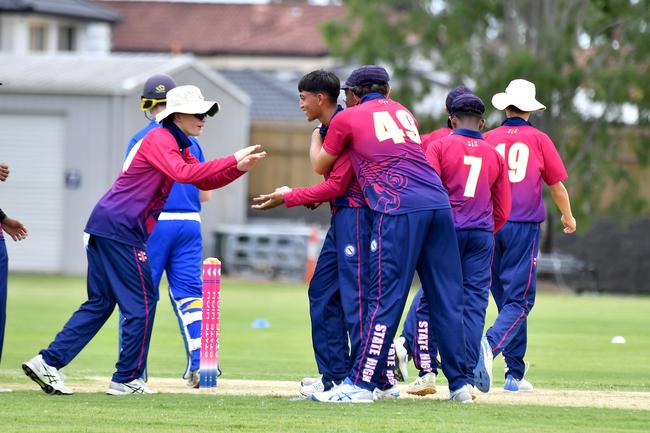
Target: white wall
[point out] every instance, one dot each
(93, 37)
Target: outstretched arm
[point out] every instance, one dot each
(336, 185)
(164, 155)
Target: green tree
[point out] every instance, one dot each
(595, 51)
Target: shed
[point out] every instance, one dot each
(65, 123)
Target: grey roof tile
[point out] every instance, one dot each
(274, 95)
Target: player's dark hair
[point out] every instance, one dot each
(515, 110)
(468, 117)
(321, 81)
(362, 91)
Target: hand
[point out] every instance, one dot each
(246, 159)
(313, 206)
(275, 199)
(14, 228)
(4, 171)
(569, 224)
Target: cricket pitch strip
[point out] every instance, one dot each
(272, 388)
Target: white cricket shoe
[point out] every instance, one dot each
(5, 390)
(320, 385)
(462, 395)
(483, 369)
(347, 392)
(401, 359)
(515, 385)
(387, 394)
(423, 385)
(47, 377)
(472, 391)
(136, 386)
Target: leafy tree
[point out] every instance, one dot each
(588, 59)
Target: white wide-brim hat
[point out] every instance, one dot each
(187, 100)
(521, 94)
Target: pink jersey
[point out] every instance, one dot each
(129, 210)
(434, 135)
(340, 188)
(531, 157)
(388, 161)
(476, 179)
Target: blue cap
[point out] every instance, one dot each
(367, 75)
(467, 103)
(453, 94)
(157, 86)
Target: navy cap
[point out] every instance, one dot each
(366, 75)
(157, 86)
(453, 94)
(467, 103)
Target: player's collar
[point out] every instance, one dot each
(468, 133)
(325, 126)
(182, 140)
(516, 121)
(371, 96)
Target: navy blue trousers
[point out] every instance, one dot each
(337, 292)
(176, 248)
(4, 274)
(514, 273)
(476, 249)
(401, 244)
(117, 274)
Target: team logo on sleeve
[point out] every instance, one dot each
(349, 250)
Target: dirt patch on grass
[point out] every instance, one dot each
(266, 388)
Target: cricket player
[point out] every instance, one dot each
(445, 130)
(18, 232)
(532, 159)
(412, 229)
(403, 350)
(176, 245)
(476, 178)
(338, 287)
(119, 271)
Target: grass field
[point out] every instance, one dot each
(569, 349)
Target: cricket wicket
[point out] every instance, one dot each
(210, 322)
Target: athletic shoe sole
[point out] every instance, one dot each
(401, 371)
(47, 388)
(483, 369)
(342, 401)
(422, 391)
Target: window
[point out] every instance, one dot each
(67, 38)
(38, 37)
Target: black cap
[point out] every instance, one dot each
(367, 75)
(467, 103)
(157, 86)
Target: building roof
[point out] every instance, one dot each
(274, 95)
(97, 75)
(213, 28)
(65, 8)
